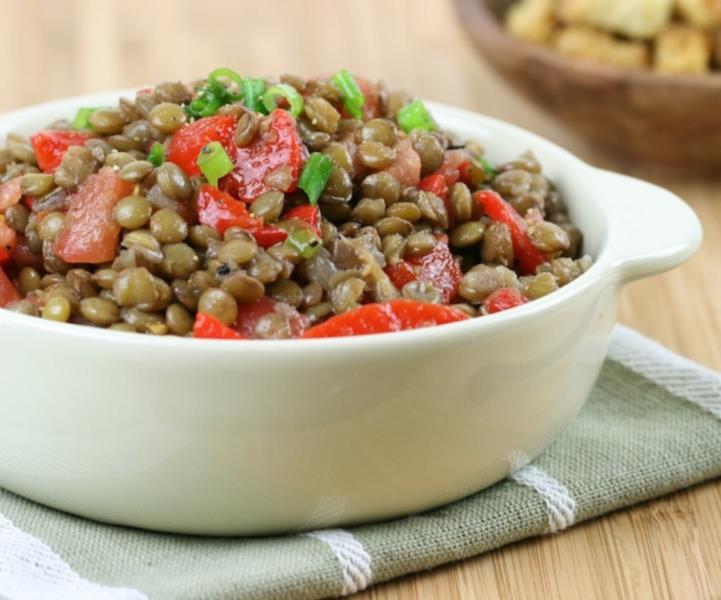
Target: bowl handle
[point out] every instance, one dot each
(651, 230)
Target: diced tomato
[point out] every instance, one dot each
(90, 234)
(503, 299)
(272, 162)
(22, 256)
(308, 213)
(269, 235)
(250, 314)
(207, 326)
(10, 193)
(8, 241)
(221, 211)
(50, 146)
(8, 293)
(189, 140)
(407, 168)
(528, 256)
(395, 315)
(438, 267)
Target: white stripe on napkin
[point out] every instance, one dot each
(560, 505)
(675, 373)
(30, 570)
(355, 562)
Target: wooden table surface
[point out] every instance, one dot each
(668, 548)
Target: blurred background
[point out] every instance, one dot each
(53, 49)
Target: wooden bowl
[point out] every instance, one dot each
(668, 119)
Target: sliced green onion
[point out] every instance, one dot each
(156, 156)
(216, 85)
(283, 90)
(487, 167)
(305, 242)
(214, 162)
(315, 175)
(206, 104)
(82, 118)
(353, 98)
(415, 116)
(253, 94)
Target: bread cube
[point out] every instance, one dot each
(638, 19)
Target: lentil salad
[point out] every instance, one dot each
(244, 208)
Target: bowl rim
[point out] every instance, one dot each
(486, 30)
(437, 334)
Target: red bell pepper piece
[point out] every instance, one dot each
(308, 213)
(503, 299)
(249, 315)
(50, 146)
(527, 255)
(208, 327)
(10, 193)
(8, 293)
(189, 140)
(273, 161)
(221, 211)
(401, 273)
(435, 183)
(438, 267)
(90, 234)
(395, 315)
(8, 242)
(269, 235)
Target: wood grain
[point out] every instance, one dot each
(664, 549)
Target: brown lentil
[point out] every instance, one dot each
(57, 308)
(243, 287)
(219, 304)
(100, 311)
(467, 234)
(167, 117)
(404, 210)
(461, 202)
(168, 226)
(29, 280)
(37, 184)
(497, 245)
(107, 121)
(173, 181)
(420, 243)
(369, 210)
(178, 319)
(17, 217)
(77, 165)
(269, 205)
(321, 114)
(132, 212)
(376, 155)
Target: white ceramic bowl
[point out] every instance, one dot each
(218, 437)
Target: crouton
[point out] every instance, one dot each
(701, 13)
(683, 50)
(638, 19)
(531, 20)
(578, 41)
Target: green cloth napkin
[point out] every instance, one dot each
(652, 425)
